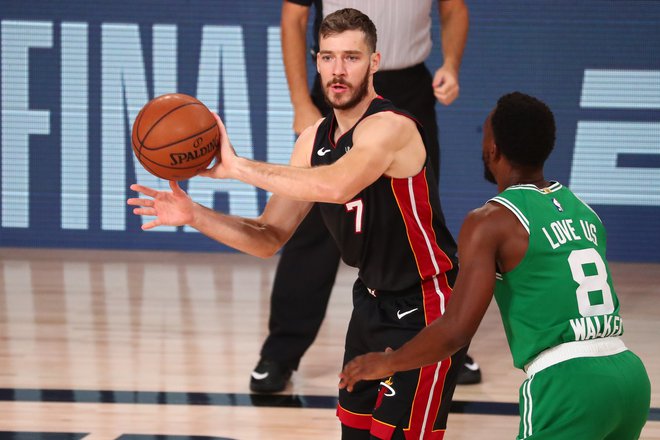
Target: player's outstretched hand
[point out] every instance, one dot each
(171, 208)
(369, 366)
(225, 158)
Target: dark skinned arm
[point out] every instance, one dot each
(480, 243)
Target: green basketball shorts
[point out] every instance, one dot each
(595, 398)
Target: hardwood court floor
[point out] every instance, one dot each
(100, 345)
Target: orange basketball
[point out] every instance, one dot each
(175, 136)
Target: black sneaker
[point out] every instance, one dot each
(269, 377)
(469, 373)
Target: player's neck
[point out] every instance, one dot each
(535, 178)
(346, 119)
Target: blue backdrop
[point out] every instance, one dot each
(75, 74)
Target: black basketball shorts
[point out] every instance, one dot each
(414, 402)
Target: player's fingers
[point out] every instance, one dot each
(445, 97)
(152, 224)
(222, 130)
(349, 371)
(444, 89)
(349, 382)
(346, 382)
(348, 385)
(144, 190)
(176, 189)
(438, 79)
(448, 83)
(144, 211)
(140, 202)
(219, 121)
(207, 172)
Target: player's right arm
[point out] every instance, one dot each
(479, 248)
(294, 55)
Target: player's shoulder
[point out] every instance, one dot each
(489, 218)
(390, 116)
(386, 122)
(309, 133)
(483, 231)
(304, 145)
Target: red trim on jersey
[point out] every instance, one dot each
(426, 403)
(311, 154)
(354, 420)
(382, 430)
(413, 198)
(331, 132)
(431, 382)
(400, 113)
(437, 293)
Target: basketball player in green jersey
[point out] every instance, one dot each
(541, 251)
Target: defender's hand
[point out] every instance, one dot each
(369, 366)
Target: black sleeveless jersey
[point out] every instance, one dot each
(393, 231)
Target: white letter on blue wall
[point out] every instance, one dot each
(75, 126)
(597, 173)
(223, 56)
(124, 92)
(18, 122)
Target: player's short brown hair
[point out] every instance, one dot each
(349, 19)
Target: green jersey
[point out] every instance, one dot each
(562, 290)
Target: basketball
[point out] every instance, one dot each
(175, 136)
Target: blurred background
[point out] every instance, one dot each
(75, 74)
(92, 337)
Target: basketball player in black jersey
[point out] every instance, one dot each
(366, 164)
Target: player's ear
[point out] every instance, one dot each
(375, 62)
(495, 151)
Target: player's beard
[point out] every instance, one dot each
(359, 92)
(488, 174)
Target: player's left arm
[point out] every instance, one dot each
(479, 240)
(380, 144)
